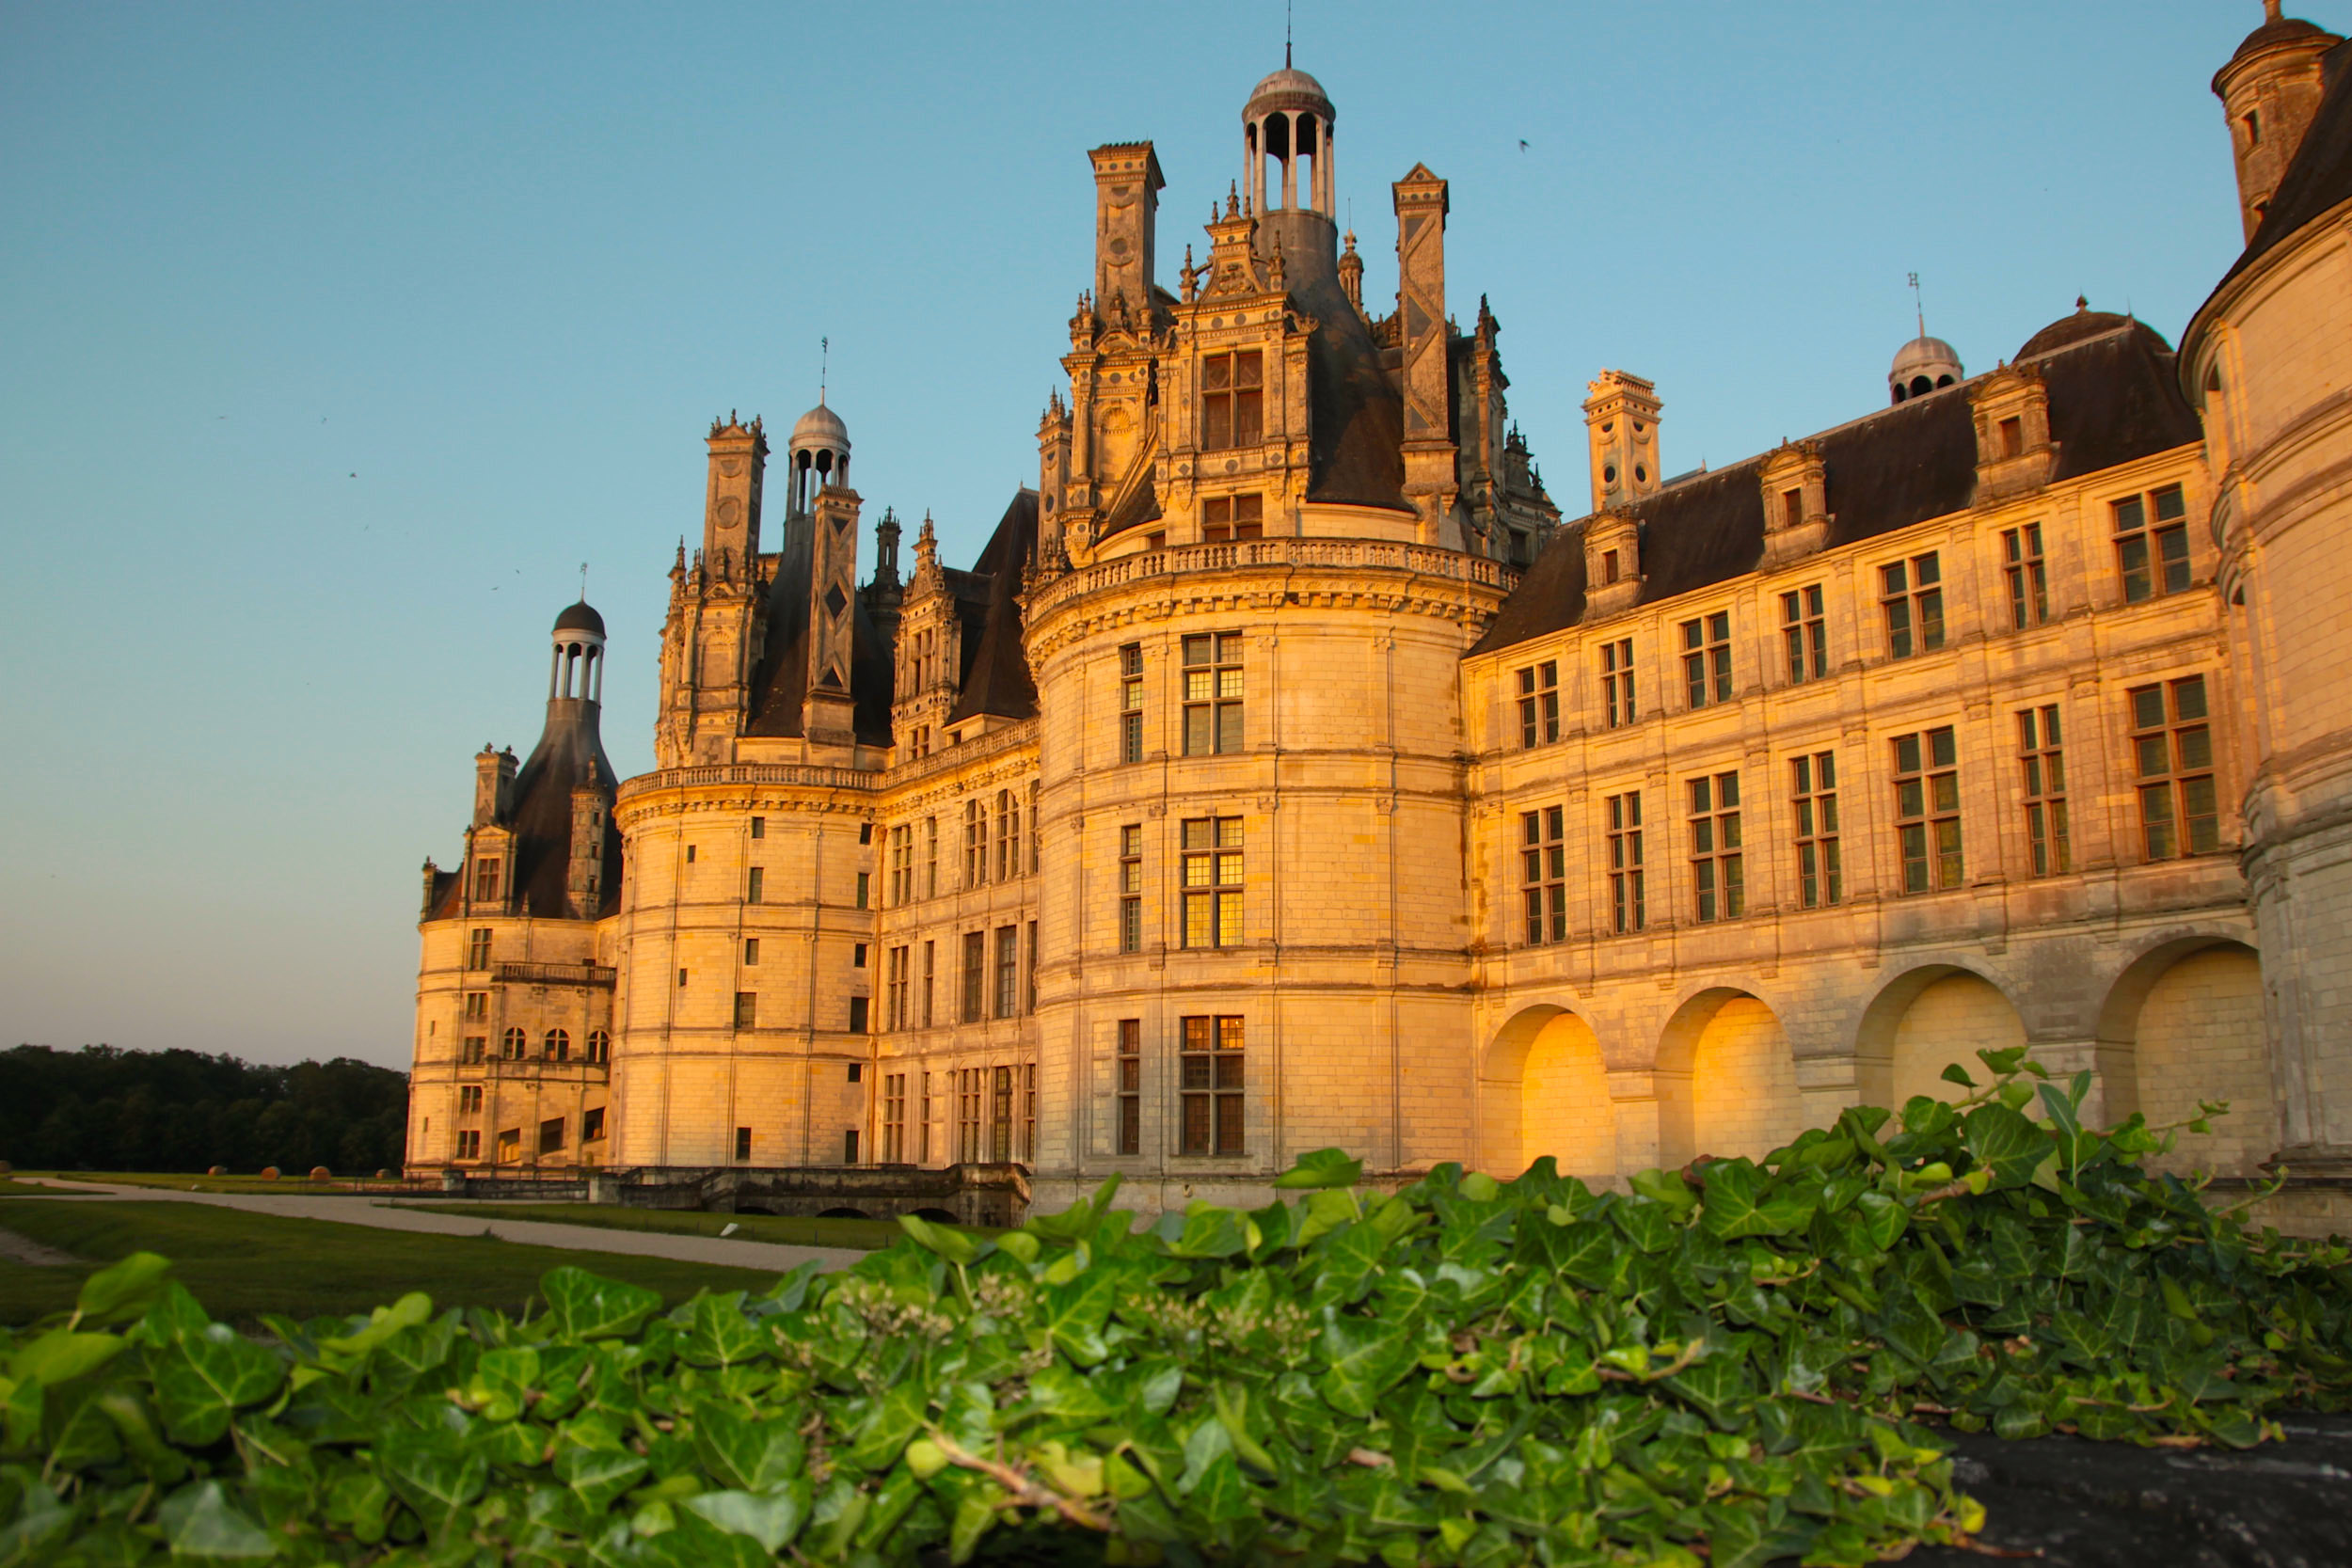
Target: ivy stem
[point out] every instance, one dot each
(1025, 1489)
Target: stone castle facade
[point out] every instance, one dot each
(1287, 771)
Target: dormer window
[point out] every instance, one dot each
(1792, 507)
(2012, 437)
(485, 881)
(1609, 566)
(1233, 398)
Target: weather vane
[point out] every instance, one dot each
(824, 362)
(1918, 308)
(583, 582)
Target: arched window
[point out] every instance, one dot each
(512, 1043)
(599, 1046)
(557, 1046)
(1008, 836)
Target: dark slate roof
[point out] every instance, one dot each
(2321, 175)
(997, 677)
(2112, 398)
(2085, 322)
(2287, 29)
(570, 753)
(580, 617)
(780, 683)
(1355, 437)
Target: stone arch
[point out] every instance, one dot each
(1726, 1080)
(1544, 1089)
(1922, 1020)
(2184, 1022)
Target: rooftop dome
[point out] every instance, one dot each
(1921, 366)
(580, 617)
(2282, 29)
(2084, 322)
(1288, 88)
(819, 427)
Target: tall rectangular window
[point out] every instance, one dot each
(477, 1003)
(2172, 765)
(1028, 969)
(751, 952)
(1211, 1062)
(893, 1126)
(478, 949)
(1543, 874)
(747, 1009)
(896, 989)
(931, 976)
(1539, 704)
(1616, 682)
(1226, 519)
(477, 1047)
(1813, 793)
(485, 881)
(1028, 1113)
(923, 1126)
(864, 887)
(1212, 882)
(2043, 760)
(742, 1143)
(931, 857)
(974, 975)
(1007, 971)
(1803, 634)
(1007, 835)
(968, 1115)
(1131, 703)
(1706, 659)
(1131, 888)
(900, 885)
(1927, 809)
(759, 827)
(1911, 596)
(469, 1145)
(1233, 398)
(1629, 902)
(1131, 1085)
(2028, 576)
(1718, 878)
(1213, 688)
(975, 843)
(1000, 1116)
(755, 885)
(2152, 544)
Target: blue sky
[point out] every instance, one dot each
(336, 338)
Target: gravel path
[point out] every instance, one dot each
(23, 1249)
(386, 1215)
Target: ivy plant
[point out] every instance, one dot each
(1739, 1362)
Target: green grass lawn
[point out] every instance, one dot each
(193, 1181)
(864, 1235)
(241, 1265)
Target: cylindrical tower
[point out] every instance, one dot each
(2271, 89)
(817, 455)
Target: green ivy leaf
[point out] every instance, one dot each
(1324, 1168)
(722, 1336)
(746, 1453)
(123, 1288)
(434, 1474)
(950, 1242)
(1362, 1357)
(199, 1521)
(598, 1476)
(772, 1518)
(2005, 1143)
(586, 1306)
(1743, 1201)
(1954, 1074)
(1075, 1314)
(61, 1355)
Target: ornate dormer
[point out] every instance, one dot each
(1613, 564)
(929, 655)
(1795, 490)
(2014, 453)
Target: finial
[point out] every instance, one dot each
(2270, 10)
(2082, 302)
(1351, 242)
(1917, 309)
(824, 363)
(1286, 30)
(583, 582)
(1232, 199)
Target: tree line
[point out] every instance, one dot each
(104, 1108)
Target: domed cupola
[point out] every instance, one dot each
(1288, 122)
(817, 455)
(576, 673)
(1921, 366)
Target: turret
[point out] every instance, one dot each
(1430, 483)
(1621, 428)
(1127, 183)
(2271, 89)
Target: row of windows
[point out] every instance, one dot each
(1211, 1086)
(508, 1145)
(993, 835)
(2152, 560)
(984, 1102)
(998, 979)
(514, 1044)
(2174, 781)
(1210, 856)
